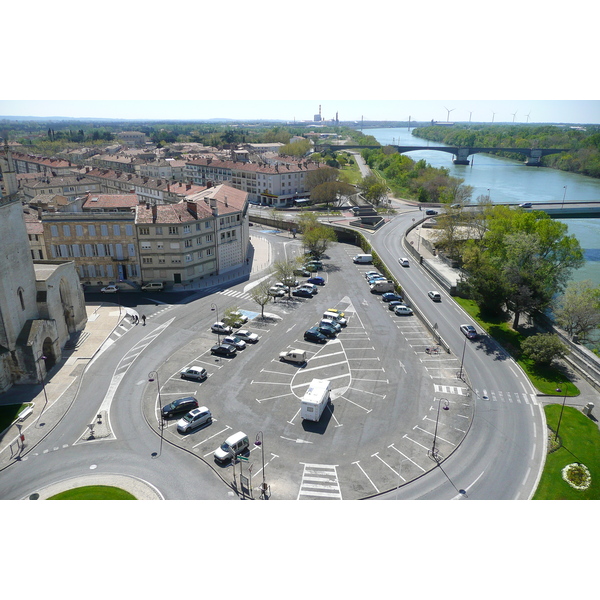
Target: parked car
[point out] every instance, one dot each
(302, 272)
(431, 212)
(326, 330)
(402, 310)
(110, 289)
(316, 281)
(220, 327)
(392, 305)
(196, 373)
(226, 350)
(403, 262)
(337, 312)
(181, 405)
(238, 318)
(311, 268)
(247, 336)
(376, 278)
(525, 205)
(371, 274)
(290, 283)
(331, 323)
(469, 331)
(314, 263)
(277, 292)
(390, 296)
(435, 296)
(314, 335)
(302, 293)
(311, 287)
(236, 341)
(195, 418)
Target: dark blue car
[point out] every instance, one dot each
(316, 281)
(391, 296)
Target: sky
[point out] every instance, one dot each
(521, 111)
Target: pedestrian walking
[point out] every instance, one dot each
(143, 319)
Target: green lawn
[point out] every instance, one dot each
(9, 413)
(94, 492)
(545, 379)
(580, 439)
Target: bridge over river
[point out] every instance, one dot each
(461, 154)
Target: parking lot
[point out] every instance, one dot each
(396, 406)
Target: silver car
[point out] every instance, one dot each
(195, 418)
(236, 341)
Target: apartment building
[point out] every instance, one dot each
(71, 187)
(165, 168)
(133, 138)
(148, 189)
(102, 244)
(266, 184)
(203, 235)
(50, 167)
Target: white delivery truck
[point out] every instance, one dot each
(365, 259)
(315, 399)
(380, 287)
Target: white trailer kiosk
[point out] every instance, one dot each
(315, 399)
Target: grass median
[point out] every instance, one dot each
(579, 445)
(94, 492)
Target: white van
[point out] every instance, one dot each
(363, 259)
(235, 444)
(293, 356)
(155, 286)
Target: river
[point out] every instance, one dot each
(509, 180)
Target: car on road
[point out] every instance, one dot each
(458, 205)
(196, 373)
(435, 296)
(403, 262)
(235, 340)
(525, 205)
(110, 289)
(391, 296)
(195, 418)
(326, 330)
(227, 350)
(314, 335)
(431, 212)
(402, 310)
(220, 327)
(181, 405)
(469, 331)
(247, 336)
(316, 281)
(302, 293)
(277, 292)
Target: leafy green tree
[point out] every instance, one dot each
(544, 348)
(260, 295)
(577, 311)
(318, 239)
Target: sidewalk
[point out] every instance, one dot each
(52, 399)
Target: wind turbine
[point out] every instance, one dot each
(527, 115)
(493, 114)
(448, 116)
(514, 115)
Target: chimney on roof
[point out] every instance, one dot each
(188, 186)
(154, 213)
(209, 184)
(192, 208)
(213, 206)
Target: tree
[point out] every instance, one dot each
(373, 190)
(317, 239)
(577, 311)
(283, 271)
(322, 175)
(543, 348)
(260, 295)
(525, 256)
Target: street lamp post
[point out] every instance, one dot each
(446, 406)
(564, 196)
(42, 381)
(561, 411)
(259, 442)
(213, 306)
(462, 360)
(161, 423)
